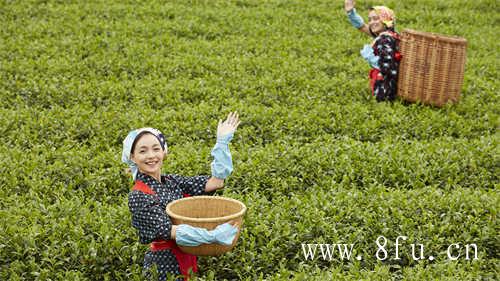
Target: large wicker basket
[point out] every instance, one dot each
(207, 212)
(432, 67)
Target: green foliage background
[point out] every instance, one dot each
(317, 160)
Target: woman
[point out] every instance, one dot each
(144, 151)
(383, 54)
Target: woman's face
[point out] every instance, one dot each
(148, 155)
(375, 23)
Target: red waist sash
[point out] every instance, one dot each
(374, 76)
(185, 261)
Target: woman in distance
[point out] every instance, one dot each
(383, 53)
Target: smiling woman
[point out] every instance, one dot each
(149, 155)
(383, 53)
(144, 151)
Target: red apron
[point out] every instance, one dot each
(185, 261)
(374, 76)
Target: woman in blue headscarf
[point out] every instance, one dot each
(144, 151)
(383, 53)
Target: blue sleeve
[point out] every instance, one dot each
(223, 234)
(222, 165)
(355, 19)
(368, 54)
(187, 235)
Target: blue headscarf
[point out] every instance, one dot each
(128, 142)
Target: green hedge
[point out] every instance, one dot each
(317, 160)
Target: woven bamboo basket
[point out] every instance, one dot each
(207, 212)
(432, 67)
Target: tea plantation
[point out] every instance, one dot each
(317, 159)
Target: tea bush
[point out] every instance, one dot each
(317, 160)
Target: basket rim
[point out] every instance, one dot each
(215, 219)
(430, 35)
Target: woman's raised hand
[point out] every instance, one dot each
(349, 5)
(229, 126)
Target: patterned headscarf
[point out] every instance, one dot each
(129, 141)
(386, 15)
